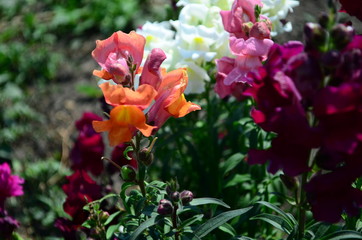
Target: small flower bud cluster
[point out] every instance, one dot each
(166, 207)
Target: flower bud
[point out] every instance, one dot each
(332, 58)
(260, 30)
(315, 35)
(103, 216)
(164, 207)
(341, 35)
(175, 196)
(289, 182)
(146, 157)
(186, 197)
(323, 20)
(128, 173)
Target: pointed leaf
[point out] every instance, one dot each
(146, 224)
(202, 201)
(231, 163)
(342, 235)
(277, 221)
(289, 218)
(219, 220)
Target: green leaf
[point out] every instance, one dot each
(237, 179)
(343, 235)
(146, 224)
(217, 221)
(202, 201)
(277, 221)
(111, 217)
(289, 218)
(111, 230)
(231, 163)
(227, 228)
(191, 220)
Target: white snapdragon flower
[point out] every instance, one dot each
(159, 35)
(277, 10)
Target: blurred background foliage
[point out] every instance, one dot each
(42, 47)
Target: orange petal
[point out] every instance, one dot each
(102, 126)
(103, 74)
(131, 115)
(175, 79)
(180, 107)
(118, 135)
(117, 95)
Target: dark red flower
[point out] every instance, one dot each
(67, 227)
(339, 111)
(89, 147)
(352, 7)
(80, 190)
(332, 193)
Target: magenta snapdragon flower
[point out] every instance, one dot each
(10, 185)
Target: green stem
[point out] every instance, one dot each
(174, 221)
(301, 207)
(141, 168)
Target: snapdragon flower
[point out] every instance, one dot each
(276, 11)
(200, 37)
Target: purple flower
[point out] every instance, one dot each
(7, 227)
(10, 185)
(89, 147)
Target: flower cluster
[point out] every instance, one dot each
(311, 97)
(89, 147)
(200, 37)
(154, 93)
(249, 43)
(10, 186)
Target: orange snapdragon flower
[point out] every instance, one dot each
(118, 95)
(170, 100)
(124, 121)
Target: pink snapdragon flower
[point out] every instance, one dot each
(115, 53)
(242, 11)
(10, 185)
(249, 43)
(249, 54)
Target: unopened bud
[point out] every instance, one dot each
(128, 173)
(260, 30)
(341, 35)
(315, 35)
(146, 157)
(289, 182)
(164, 207)
(103, 216)
(323, 20)
(246, 27)
(186, 197)
(175, 196)
(332, 58)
